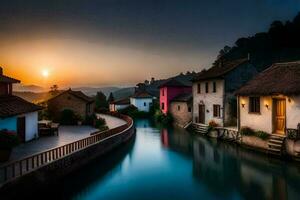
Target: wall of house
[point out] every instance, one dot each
(262, 121)
(9, 123)
(208, 99)
(169, 94)
(182, 116)
(66, 101)
(142, 104)
(116, 107)
(292, 112)
(31, 126)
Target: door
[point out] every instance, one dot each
(279, 116)
(21, 125)
(201, 113)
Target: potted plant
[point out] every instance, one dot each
(8, 140)
(212, 131)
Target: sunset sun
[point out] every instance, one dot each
(45, 73)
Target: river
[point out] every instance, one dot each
(163, 163)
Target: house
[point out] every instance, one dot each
(142, 101)
(270, 102)
(181, 109)
(213, 91)
(16, 114)
(170, 89)
(119, 104)
(76, 101)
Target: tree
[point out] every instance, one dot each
(54, 90)
(110, 98)
(101, 101)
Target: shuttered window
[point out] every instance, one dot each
(254, 104)
(199, 88)
(206, 87)
(214, 87)
(217, 110)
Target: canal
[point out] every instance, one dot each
(173, 164)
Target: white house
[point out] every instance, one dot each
(271, 101)
(213, 91)
(119, 104)
(142, 100)
(16, 114)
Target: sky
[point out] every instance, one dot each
(123, 42)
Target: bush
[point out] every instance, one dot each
(262, 135)
(68, 117)
(8, 139)
(162, 118)
(133, 112)
(212, 125)
(99, 122)
(247, 131)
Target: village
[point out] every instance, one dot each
(234, 125)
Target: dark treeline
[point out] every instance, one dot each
(280, 44)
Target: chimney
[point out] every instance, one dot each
(1, 71)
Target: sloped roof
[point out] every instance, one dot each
(12, 105)
(142, 94)
(6, 79)
(186, 97)
(280, 78)
(77, 94)
(124, 101)
(220, 69)
(172, 82)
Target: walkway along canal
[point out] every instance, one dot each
(173, 164)
(57, 162)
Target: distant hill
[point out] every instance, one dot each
(34, 97)
(27, 88)
(281, 43)
(123, 93)
(92, 91)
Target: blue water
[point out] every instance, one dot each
(173, 164)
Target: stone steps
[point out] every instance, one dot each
(275, 144)
(200, 128)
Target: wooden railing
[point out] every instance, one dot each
(26, 165)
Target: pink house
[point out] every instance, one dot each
(169, 90)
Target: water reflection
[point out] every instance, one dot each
(229, 171)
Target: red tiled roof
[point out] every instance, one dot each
(12, 105)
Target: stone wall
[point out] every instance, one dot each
(180, 113)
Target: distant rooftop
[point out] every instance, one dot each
(6, 79)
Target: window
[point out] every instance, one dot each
(163, 92)
(217, 110)
(162, 106)
(189, 109)
(214, 87)
(206, 87)
(198, 88)
(178, 107)
(145, 104)
(254, 104)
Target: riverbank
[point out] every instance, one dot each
(60, 161)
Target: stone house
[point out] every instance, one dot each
(271, 101)
(119, 104)
(17, 114)
(81, 104)
(213, 91)
(181, 109)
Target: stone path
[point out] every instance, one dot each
(112, 122)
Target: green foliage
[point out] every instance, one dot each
(100, 123)
(111, 98)
(133, 112)
(89, 120)
(154, 107)
(279, 44)
(101, 102)
(8, 139)
(160, 117)
(262, 135)
(247, 131)
(68, 117)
